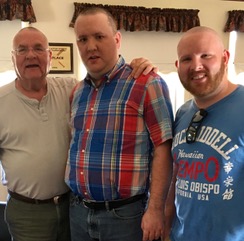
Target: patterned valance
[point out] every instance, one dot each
(17, 9)
(146, 19)
(235, 21)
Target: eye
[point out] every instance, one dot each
(39, 50)
(185, 59)
(206, 56)
(21, 50)
(82, 39)
(99, 37)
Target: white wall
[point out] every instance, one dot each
(54, 16)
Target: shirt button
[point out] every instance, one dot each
(82, 173)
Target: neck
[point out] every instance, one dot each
(206, 101)
(35, 90)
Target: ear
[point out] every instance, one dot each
(118, 38)
(177, 64)
(13, 58)
(226, 56)
(50, 54)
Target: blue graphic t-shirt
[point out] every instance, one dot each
(210, 179)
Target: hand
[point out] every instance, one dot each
(153, 224)
(142, 66)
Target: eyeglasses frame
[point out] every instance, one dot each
(194, 126)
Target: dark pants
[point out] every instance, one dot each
(119, 224)
(38, 222)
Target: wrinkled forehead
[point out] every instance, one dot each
(28, 37)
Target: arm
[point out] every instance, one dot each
(170, 206)
(141, 66)
(153, 219)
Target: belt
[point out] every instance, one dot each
(56, 200)
(109, 205)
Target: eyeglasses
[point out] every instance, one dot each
(193, 128)
(25, 50)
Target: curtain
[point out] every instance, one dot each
(17, 9)
(235, 21)
(145, 19)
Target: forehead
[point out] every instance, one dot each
(91, 23)
(198, 43)
(30, 38)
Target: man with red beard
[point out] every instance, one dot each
(208, 145)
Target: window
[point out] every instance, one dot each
(7, 73)
(176, 90)
(7, 77)
(236, 62)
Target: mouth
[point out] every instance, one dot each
(30, 66)
(93, 57)
(199, 76)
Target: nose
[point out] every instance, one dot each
(196, 63)
(91, 45)
(30, 53)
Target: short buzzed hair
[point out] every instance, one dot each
(203, 29)
(95, 10)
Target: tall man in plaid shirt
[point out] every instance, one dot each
(121, 141)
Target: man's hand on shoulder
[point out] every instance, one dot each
(142, 66)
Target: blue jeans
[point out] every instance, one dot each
(38, 222)
(120, 224)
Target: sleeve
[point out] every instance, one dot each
(158, 111)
